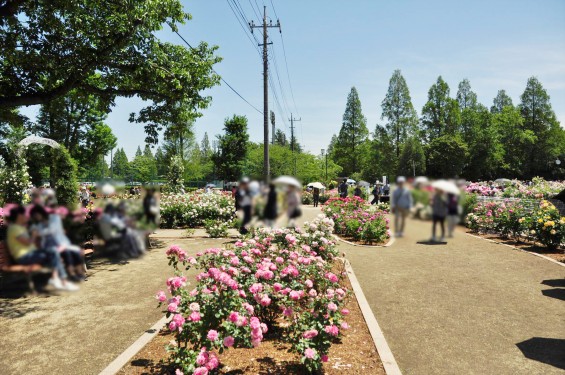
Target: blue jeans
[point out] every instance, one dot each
(46, 257)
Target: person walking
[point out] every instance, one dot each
(357, 192)
(342, 189)
(439, 212)
(316, 196)
(452, 213)
(376, 194)
(270, 214)
(293, 210)
(401, 203)
(243, 203)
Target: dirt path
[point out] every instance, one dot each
(466, 307)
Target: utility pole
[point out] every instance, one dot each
(292, 139)
(265, 27)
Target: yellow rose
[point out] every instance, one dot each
(540, 220)
(549, 224)
(553, 232)
(532, 232)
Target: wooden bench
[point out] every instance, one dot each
(8, 266)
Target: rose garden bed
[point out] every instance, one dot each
(357, 221)
(279, 296)
(353, 354)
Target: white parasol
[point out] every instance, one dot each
(317, 185)
(287, 180)
(446, 186)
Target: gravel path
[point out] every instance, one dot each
(465, 307)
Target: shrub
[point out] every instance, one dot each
(65, 172)
(277, 276)
(216, 228)
(547, 225)
(357, 219)
(192, 210)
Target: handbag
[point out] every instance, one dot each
(296, 213)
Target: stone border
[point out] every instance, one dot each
(124, 358)
(389, 243)
(517, 248)
(387, 358)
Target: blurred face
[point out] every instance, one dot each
(21, 219)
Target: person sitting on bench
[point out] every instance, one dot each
(48, 239)
(22, 248)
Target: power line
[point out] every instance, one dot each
(222, 78)
(245, 30)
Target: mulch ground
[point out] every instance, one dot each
(556, 254)
(355, 354)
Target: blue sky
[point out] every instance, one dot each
(333, 45)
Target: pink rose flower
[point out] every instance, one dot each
(229, 341)
(310, 334)
(332, 330)
(310, 353)
(213, 362)
(265, 300)
(345, 311)
(200, 371)
(344, 325)
(212, 335)
(160, 296)
(194, 316)
(324, 358)
(332, 306)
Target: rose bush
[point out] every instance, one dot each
(193, 209)
(216, 228)
(543, 224)
(283, 282)
(357, 219)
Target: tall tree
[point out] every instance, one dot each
(109, 49)
(77, 122)
(161, 160)
(465, 96)
(397, 108)
(121, 164)
(232, 148)
(485, 151)
(446, 156)
(378, 158)
(352, 135)
(280, 138)
(500, 101)
(440, 114)
(412, 161)
(138, 152)
(515, 139)
(539, 117)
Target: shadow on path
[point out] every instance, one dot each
(430, 242)
(545, 350)
(556, 283)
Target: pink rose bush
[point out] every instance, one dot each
(283, 283)
(357, 219)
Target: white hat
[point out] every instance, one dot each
(401, 179)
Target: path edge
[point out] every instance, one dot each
(389, 243)
(387, 358)
(517, 248)
(123, 359)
